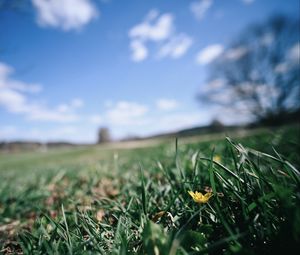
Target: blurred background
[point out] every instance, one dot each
(88, 71)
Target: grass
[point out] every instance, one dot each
(104, 200)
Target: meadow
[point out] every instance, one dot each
(115, 200)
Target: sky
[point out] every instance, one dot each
(68, 67)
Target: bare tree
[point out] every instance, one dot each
(259, 73)
(104, 135)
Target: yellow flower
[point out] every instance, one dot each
(217, 158)
(198, 197)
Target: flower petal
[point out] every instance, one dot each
(192, 194)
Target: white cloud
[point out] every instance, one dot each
(294, 53)
(74, 104)
(45, 114)
(200, 8)
(160, 30)
(291, 60)
(32, 88)
(15, 100)
(153, 28)
(236, 53)
(177, 121)
(176, 47)
(18, 103)
(213, 85)
(126, 113)
(133, 118)
(281, 68)
(6, 71)
(95, 119)
(152, 15)
(139, 51)
(126, 117)
(236, 115)
(209, 54)
(63, 131)
(168, 122)
(77, 103)
(64, 14)
(63, 108)
(166, 104)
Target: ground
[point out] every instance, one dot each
(134, 197)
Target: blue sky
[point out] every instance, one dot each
(68, 67)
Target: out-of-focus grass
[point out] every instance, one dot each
(99, 200)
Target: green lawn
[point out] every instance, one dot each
(113, 200)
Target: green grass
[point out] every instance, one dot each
(103, 200)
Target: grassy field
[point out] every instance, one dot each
(118, 199)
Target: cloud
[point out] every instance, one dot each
(236, 53)
(172, 122)
(44, 114)
(17, 103)
(160, 30)
(6, 71)
(214, 85)
(166, 104)
(63, 131)
(153, 28)
(126, 118)
(64, 14)
(281, 68)
(200, 8)
(14, 98)
(169, 122)
(294, 53)
(291, 60)
(95, 119)
(176, 46)
(126, 113)
(13, 101)
(77, 103)
(152, 15)
(139, 51)
(209, 54)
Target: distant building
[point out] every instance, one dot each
(104, 135)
